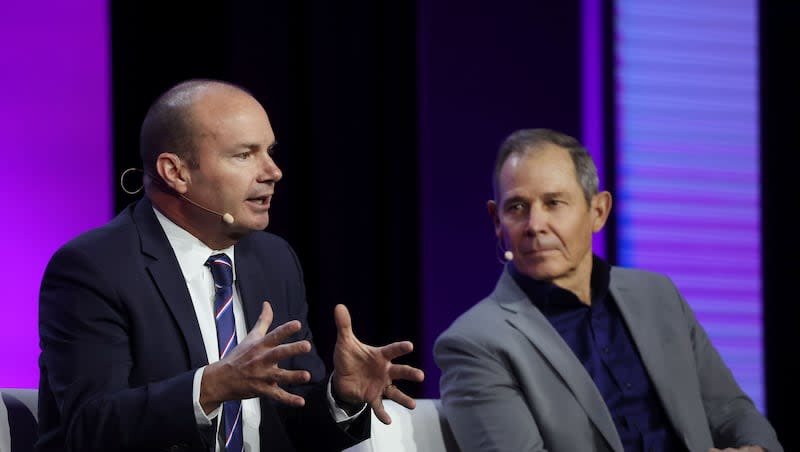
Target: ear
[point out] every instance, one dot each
(173, 172)
(491, 207)
(600, 209)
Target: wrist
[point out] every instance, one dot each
(351, 407)
(210, 398)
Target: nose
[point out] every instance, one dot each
(537, 221)
(270, 172)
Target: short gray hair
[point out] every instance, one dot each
(526, 140)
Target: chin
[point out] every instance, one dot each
(542, 271)
(241, 229)
(258, 223)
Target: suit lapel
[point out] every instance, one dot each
(166, 273)
(247, 281)
(526, 318)
(646, 330)
(257, 284)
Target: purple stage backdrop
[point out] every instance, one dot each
(688, 163)
(56, 142)
(593, 127)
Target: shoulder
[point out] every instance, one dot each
(270, 253)
(263, 241)
(640, 279)
(114, 240)
(655, 291)
(266, 246)
(480, 324)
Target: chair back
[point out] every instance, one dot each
(18, 419)
(423, 429)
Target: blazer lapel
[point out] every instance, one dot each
(653, 349)
(256, 285)
(166, 273)
(525, 317)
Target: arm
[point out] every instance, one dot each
(87, 361)
(482, 399)
(732, 417)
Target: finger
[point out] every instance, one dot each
(281, 333)
(263, 322)
(344, 325)
(404, 372)
(396, 349)
(284, 351)
(287, 377)
(380, 412)
(394, 393)
(280, 395)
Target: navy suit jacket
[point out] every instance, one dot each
(121, 343)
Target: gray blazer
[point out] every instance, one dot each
(511, 383)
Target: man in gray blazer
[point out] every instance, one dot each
(571, 354)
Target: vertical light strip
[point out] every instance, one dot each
(688, 163)
(55, 138)
(592, 95)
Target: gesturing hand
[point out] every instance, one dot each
(363, 373)
(251, 369)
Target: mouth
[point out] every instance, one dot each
(260, 201)
(539, 251)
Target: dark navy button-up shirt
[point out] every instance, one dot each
(599, 337)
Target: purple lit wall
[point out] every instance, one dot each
(56, 145)
(688, 163)
(593, 127)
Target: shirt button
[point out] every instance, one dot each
(628, 385)
(605, 349)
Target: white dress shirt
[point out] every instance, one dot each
(192, 255)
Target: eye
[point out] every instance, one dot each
(243, 155)
(555, 202)
(515, 207)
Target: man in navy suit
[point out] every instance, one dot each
(130, 354)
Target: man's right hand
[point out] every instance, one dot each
(251, 369)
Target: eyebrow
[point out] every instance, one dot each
(547, 195)
(254, 146)
(556, 194)
(513, 199)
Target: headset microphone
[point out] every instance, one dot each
(508, 255)
(226, 217)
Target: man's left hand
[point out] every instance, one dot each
(364, 374)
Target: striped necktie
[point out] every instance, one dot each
(222, 271)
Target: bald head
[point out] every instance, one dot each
(169, 124)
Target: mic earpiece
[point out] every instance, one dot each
(508, 255)
(227, 218)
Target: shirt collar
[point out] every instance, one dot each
(543, 293)
(191, 253)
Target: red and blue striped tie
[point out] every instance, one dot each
(222, 271)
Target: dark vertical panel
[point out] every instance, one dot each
(610, 132)
(780, 45)
(154, 47)
(361, 166)
(484, 71)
